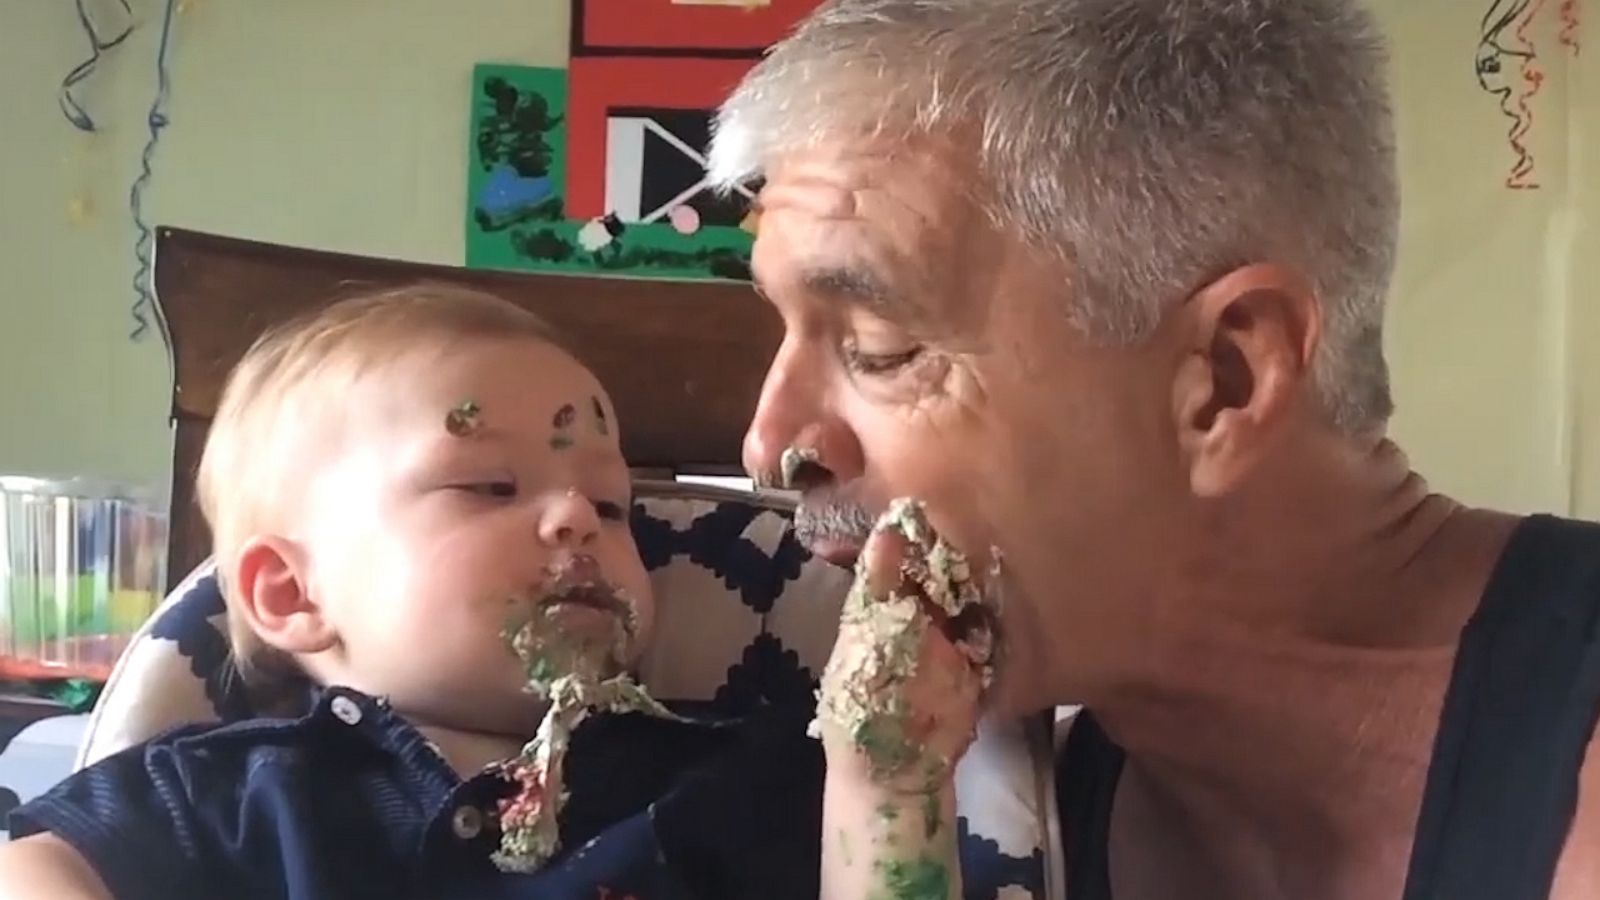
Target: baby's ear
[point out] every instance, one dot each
(272, 596)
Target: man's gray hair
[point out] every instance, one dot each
(1152, 145)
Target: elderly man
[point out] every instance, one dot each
(1102, 283)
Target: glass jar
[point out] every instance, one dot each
(82, 565)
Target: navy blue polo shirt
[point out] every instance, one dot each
(350, 801)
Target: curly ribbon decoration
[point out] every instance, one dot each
(70, 107)
(144, 307)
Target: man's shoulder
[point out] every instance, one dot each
(1553, 537)
(1515, 773)
(1571, 551)
(1578, 870)
(1551, 559)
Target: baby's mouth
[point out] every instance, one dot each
(579, 585)
(597, 596)
(572, 625)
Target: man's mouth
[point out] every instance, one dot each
(836, 529)
(942, 577)
(973, 630)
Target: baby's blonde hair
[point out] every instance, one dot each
(293, 375)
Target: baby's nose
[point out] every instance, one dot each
(569, 520)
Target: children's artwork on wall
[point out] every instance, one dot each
(1509, 66)
(599, 168)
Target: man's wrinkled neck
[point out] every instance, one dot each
(1309, 623)
(1311, 548)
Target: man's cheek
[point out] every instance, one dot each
(952, 410)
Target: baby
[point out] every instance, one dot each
(420, 514)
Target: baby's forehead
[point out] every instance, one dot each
(517, 386)
(510, 372)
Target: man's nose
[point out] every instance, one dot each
(794, 418)
(789, 401)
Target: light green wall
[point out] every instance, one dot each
(340, 125)
(1492, 312)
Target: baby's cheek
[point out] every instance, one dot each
(642, 598)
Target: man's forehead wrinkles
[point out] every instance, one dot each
(815, 197)
(831, 191)
(871, 206)
(862, 238)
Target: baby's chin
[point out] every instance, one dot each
(497, 712)
(575, 642)
(489, 699)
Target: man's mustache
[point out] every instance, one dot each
(832, 520)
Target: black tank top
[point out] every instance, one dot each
(1518, 715)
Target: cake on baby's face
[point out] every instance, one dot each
(541, 467)
(575, 639)
(577, 626)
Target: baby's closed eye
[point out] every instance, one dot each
(500, 488)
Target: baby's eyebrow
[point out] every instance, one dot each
(442, 447)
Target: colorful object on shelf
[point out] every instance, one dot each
(685, 219)
(82, 565)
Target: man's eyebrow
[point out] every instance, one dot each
(860, 287)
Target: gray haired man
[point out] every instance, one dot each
(1101, 282)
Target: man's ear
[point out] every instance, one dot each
(273, 597)
(1252, 334)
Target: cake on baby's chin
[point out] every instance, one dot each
(574, 641)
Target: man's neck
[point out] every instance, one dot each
(1335, 545)
(1287, 678)
(1317, 575)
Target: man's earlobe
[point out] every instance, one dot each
(1253, 336)
(272, 593)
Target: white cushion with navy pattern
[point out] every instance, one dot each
(745, 616)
